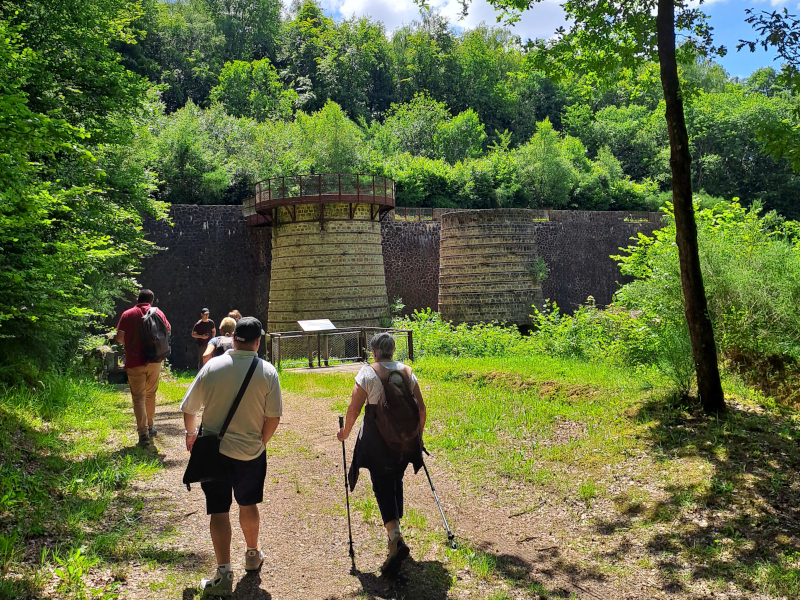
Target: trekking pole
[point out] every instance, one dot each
(450, 537)
(347, 500)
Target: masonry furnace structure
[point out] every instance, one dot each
(327, 261)
(488, 266)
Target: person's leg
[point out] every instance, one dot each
(221, 537)
(153, 373)
(383, 487)
(248, 519)
(137, 380)
(248, 488)
(218, 504)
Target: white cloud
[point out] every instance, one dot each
(539, 22)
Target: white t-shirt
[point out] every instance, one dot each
(368, 380)
(215, 388)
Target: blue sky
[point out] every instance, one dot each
(727, 18)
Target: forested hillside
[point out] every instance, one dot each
(457, 117)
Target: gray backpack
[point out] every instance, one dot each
(224, 343)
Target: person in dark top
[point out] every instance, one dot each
(142, 376)
(203, 331)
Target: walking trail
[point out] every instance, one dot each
(304, 529)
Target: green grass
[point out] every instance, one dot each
(68, 462)
(599, 438)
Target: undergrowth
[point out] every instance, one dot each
(66, 506)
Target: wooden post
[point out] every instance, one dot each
(410, 334)
(325, 349)
(319, 351)
(310, 352)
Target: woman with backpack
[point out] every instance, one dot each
(222, 343)
(390, 436)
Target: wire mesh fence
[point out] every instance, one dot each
(294, 349)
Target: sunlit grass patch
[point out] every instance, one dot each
(64, 482)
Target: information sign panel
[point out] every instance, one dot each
(316, 325)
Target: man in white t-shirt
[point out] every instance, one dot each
(243, 444)
(386, 467)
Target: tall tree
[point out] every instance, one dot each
(608, 35)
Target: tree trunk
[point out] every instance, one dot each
(701, 331)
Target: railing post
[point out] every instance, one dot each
(340, 186)
(319, 184)
(301, 187)
(410, 334)
(358, 188)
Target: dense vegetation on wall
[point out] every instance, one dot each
(458, 118)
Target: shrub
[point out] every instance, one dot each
(433, 336)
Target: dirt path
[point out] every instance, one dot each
(304, 529)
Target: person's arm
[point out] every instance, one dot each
(213, 332)
(270, 425)
(190, 423)
(191, 403)
(357, 400)
(198, 336)
(120, 336)
(209, 352)
(423, 413)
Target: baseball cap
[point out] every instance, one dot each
(248, 329)
(205, 311)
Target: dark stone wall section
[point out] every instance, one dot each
(576, 245)
(208, 259)
(411, 262)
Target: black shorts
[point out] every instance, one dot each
(246, 481)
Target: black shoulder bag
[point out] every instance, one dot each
(205, 461)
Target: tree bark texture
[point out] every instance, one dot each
(701, 331)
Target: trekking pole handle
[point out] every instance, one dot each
(341, 422)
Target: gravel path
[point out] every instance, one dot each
(304, 529)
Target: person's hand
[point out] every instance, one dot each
(190, 440)
(206, 336)
(341, 435)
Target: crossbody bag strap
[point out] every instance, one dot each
(238, 398)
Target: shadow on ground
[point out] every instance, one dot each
(426, 580)
(742, 526)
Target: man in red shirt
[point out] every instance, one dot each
(142, 376)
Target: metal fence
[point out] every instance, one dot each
(292, 349)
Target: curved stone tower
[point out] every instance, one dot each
(327, 261)
(488, 266)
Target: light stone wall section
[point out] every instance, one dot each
(485, 266)
(326, 265)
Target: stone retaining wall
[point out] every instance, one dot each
(211, 259)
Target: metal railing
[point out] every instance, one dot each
(326, 348)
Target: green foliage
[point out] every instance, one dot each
(546, 173)
(254, 90)
(751, 266)
(435, 337)
(71, 199)
(329, 140)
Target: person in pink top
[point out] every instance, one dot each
(142, 375)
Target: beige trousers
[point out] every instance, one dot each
(143, 382)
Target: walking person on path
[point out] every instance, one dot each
(374, 450)
(203, 331)
(142, 375)
(222, 343)
(242, 446)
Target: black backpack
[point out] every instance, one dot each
(155, 336)
(397, 414)
(223, 344)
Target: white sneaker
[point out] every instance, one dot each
(253, 560)
(220, 585)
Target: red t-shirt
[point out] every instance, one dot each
(130, 322)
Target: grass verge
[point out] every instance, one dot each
(66, 507)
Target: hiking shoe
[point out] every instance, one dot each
(220, 585)
(152, 431)
(144, 440)
(398, 552)
(253, 560)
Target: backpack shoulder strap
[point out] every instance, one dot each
(239, 396)
(381, 371)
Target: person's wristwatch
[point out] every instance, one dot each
(188, 433)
